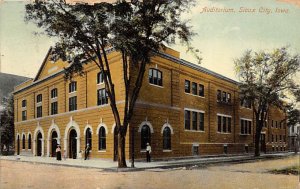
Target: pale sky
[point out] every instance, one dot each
(221, 38)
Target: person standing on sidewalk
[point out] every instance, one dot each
(148, 152)
(87, 151)
(58, 153)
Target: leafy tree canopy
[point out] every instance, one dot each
(136, 29)
(267, 79)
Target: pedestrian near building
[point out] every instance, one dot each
(148, 152)
(58, 153)
(87, 151)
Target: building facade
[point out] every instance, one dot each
(182, 110)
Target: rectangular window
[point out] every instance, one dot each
(53, 93)
(276, 138)
(228, 97)
(194, 88)
(155, 77)
(187, 88)
(272, 123)
(187, 119)
(39, 111)
(224, 125)
(73, 103)
(201, 123)
(39, 98)
(280, 138)
(276, 124)
(100, 78)
(224, 96)
(54, 108)
(201, 90)
(249, 126)
(219, 123)
(242, 126)
(272, 138)
(194, 120)
(219, 96)
(229, 125)
(24, 103)
(73, 87)
(24, 115)
(102, 97)
(246, 126)
(280, 123)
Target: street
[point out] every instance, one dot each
(253, 175)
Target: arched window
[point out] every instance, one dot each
(100, 78)
(102, 139)
(29, 141)
(155, 77)
(88, 137)
(167, 138)
(145, 136)
(23, 142)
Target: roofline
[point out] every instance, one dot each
(39, 81)
(23, 82)
(42, 66)
(162, 54)
(196, 67)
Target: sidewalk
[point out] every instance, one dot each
(109, 165)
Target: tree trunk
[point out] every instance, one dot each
(257, 136)
(256, 147)
(121, 151)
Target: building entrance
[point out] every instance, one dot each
(39, 145)
(53, 143)
(73, 144)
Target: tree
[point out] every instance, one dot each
(136, 29)
(7, 124)
(293, 116)
(265, 79)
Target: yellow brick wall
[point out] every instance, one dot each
(156, 105)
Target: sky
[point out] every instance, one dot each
(221, 36)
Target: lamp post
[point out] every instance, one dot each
(132, 147)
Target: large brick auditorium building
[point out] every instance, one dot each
(182, 110)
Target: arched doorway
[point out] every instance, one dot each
(115, 144)
(53, 143)
(39, 144)
(73, 144)
(18, 145)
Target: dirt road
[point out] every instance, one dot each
(15, 175)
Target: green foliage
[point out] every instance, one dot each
(267, 78)
(136, 29)
(7, 123)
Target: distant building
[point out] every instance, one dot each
(183, 110)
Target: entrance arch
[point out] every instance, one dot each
(39, 139)
(72, 125)
(18, 145)
(53, 143)
(73, 144)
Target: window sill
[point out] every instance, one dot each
(101, 151)
(194, 131)
(156, 85)
(143, 151)
(194, 95)
(245, 134)
(167, 150)
(223, 133)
